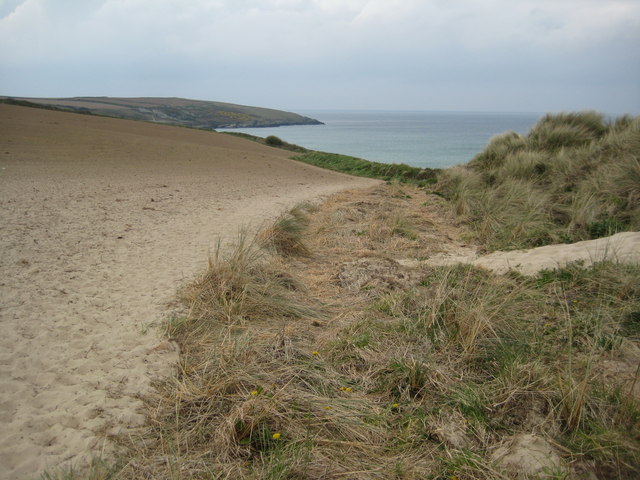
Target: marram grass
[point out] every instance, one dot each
(573, 177)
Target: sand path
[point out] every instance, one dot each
(101, 221)
(620, 248)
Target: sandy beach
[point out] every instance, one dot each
(102, 220)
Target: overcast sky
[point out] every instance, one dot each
(465, 55)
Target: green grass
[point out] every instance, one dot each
(348, 164)
(272, 141)
(365, 168)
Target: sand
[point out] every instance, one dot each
(621, 248)
(102, 220)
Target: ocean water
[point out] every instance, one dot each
(421, 139)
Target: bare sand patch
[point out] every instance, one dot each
(622, 247)
(102, 220)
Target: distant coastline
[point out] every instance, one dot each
(173, 111)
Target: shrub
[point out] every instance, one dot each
(274, 141)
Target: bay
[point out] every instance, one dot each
(420, 139)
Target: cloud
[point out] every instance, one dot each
(172, 45)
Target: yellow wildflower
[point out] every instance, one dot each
(395, 405)
(275, 436)
(315, 352)
(254, 393)
(348, 389)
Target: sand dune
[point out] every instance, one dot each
(622, 247)
(101, 222)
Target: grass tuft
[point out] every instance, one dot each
(285, 235)
(244, 285)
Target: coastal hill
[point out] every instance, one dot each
(174, 111)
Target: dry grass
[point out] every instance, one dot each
(285, 235)
(346, 363)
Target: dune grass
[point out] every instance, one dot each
(573, 177)
(285, 235)
(343, 363)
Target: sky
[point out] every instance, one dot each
(436, 55)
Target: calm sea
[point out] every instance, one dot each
(421, 139)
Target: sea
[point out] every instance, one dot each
(420, 139)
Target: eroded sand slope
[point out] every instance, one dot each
(101, 221)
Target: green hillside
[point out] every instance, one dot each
(174, 111)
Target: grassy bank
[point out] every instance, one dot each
(271, 140)
(350, 165)
(314, 350)
(573, 177)
(366, 168)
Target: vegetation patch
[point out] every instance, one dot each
(573, 177)
(325, 348)
(285, 235)
(366, 168)
(271, 140)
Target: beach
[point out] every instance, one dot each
(102, 221)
